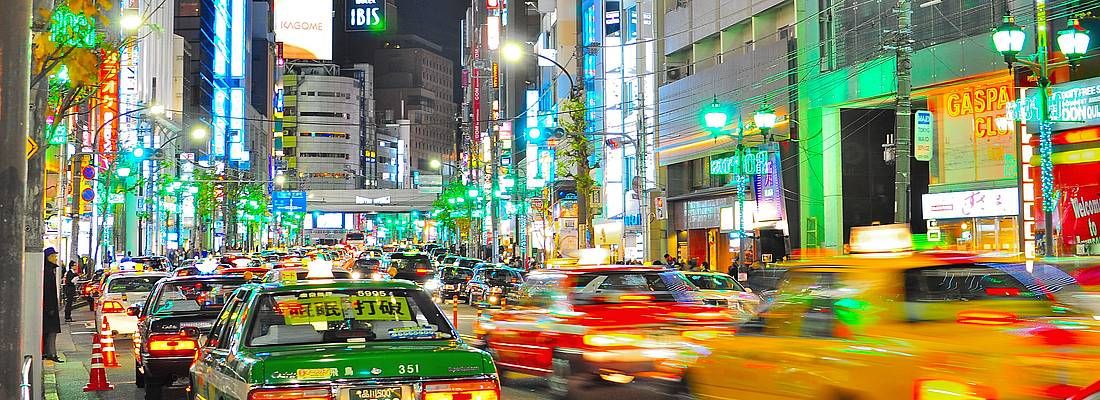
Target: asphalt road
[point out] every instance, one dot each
(76, 339)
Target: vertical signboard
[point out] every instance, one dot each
(768, 185)
(922, 136)
(107, 97)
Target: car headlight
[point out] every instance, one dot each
(431, 284)
(495, 289)
(356, 275)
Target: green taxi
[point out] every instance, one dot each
(338, 340)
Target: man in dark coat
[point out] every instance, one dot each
(68, 286)
(51, 318)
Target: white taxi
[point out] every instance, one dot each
(120, 290)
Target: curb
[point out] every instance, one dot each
(49, 380)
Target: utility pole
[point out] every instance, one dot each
(14, 101)
(904, 111)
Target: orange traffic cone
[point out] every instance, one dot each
(97, 377)
(107, 338)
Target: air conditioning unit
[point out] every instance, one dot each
(673, 74)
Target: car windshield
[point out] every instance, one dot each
(368, 262)
(612, 286)
(354, 236)
(943, 292)
(347, 316)
(468, 262)
(180, 297)
(715, 282)
(132, 284)
(456, 273)
(502, 275)
(402, 262)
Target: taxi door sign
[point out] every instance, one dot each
(339, 308)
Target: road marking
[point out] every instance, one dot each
(82, 333)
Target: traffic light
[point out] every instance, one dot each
(85, 174)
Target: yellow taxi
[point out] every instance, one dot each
(889, 324)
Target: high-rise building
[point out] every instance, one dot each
(414, 82)
(323, 127)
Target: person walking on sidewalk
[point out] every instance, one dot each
(69, 288)
(51, 320)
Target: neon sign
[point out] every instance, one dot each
(749, 164)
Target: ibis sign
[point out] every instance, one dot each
(365, 15)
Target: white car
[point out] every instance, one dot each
(121, 290)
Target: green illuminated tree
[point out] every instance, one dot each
(573, 156)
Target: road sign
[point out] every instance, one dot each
(288, 201)
(922, 136)
(32, 147)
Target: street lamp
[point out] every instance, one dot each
(1074, 40)
(199, 132)
(715, 116)
(1008, 39)
(765, 120)
(435, 164)
(280, 180)
(130, 22)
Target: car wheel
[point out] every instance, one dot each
(681, 391)
(139, 378)
(153, 389)
(559, 381)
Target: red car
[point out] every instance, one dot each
(603, 332)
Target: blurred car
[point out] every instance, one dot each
(346, 340)
(177, 313)
(491, 284)
(279, 274)
(367, 268)
(720, 289)
(120, 290)
(153, 263)
(903, 325)
(411, 266)
(603, 332)
(452, 282)
(90, 288)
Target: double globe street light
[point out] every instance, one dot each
(1008, 39)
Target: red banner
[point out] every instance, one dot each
(1079, 208)
(107, 99)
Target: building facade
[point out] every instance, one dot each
(414, 82)
(321, 138)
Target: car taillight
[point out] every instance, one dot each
(612, 339)
(937, 389)
(112, 307)
(301, 393)
(986, 318)
(463, 390)
(422, 271)
(169, 345)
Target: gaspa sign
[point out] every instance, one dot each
(365, 15)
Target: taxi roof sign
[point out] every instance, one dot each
(878, 239)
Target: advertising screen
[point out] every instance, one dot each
(305, 28)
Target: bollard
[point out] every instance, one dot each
(455, 302)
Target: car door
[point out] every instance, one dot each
(523, 336)
(209, 378)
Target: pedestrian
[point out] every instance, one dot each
(51, 320)
(69, 286)
(693, 265)
(706, 266)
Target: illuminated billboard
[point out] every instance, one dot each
(305, 28)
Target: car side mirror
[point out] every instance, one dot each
(135, 309)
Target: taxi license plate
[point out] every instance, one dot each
(376, 393)
(449, 287)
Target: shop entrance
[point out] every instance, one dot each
(982, 234)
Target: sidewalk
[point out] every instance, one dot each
(66, 380)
